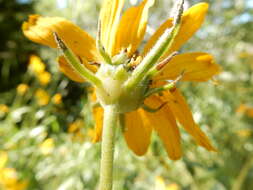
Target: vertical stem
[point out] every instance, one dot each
(106, 167)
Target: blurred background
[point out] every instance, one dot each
(46, 122)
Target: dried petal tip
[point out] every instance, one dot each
(32, 20)
(165, 61)
(179, 12)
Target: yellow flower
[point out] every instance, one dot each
(121, 33)
(75, 129)
(75, 126)
(36, 65)
(3, 159)
(47, 146)
(247, 110)
(8, 176)
(57, 98)
(160, 185)
(42, 97)
(22, 88)
(9, 180)
(244, 133)
(44, 78)
(4, 108)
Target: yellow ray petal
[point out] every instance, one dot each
(40, 30)
(109, 18)
(183, 113)
(66, 68)
(98, 115)
(192, 19)
(137, 132)
(132, 27)
(164, 123)
(196, 67)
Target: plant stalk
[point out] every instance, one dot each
(106, 167)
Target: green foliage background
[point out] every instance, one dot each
(74, 164)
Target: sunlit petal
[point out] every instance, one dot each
(164, 123)
(183, 114)
(109, 18)
(40, 29)
(132, 27)
(137, 132)
(196, 67)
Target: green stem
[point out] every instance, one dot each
(152, 57)
(106, 167)
(159, 49)
(238, 183)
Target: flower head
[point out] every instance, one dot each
(47, 146)
(4, 109)
(36, 65)
(57, 98)
(161, 185)
(42, 97)
(22, 88)
(9, 176)
(137, 83)
(44, 78)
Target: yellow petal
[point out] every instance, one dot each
(44, 78)
(164, 123)
(67, 69)
(132, 27)
(137, 132)
(151, 42)
(98, 115)
(40, 29)
(192, 20)
(183, 114)
(42, 97)
(109, 18)
(196, 67)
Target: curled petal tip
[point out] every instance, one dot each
(32, 20)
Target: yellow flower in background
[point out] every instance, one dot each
(44, 78)
(4, 108)
(8, 176)
(121, 33)
(75, 129)
(9, 180)
(245, 109)
(57, 98)
(22, 88)
(161, 185)
(244, 132)
(75, 126)
(173, 186)
(3, 159)
(36, 65)
(47, 146)
(42, 97)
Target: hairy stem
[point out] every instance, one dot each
(161, 46)
(75, 62)
(106, 167)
